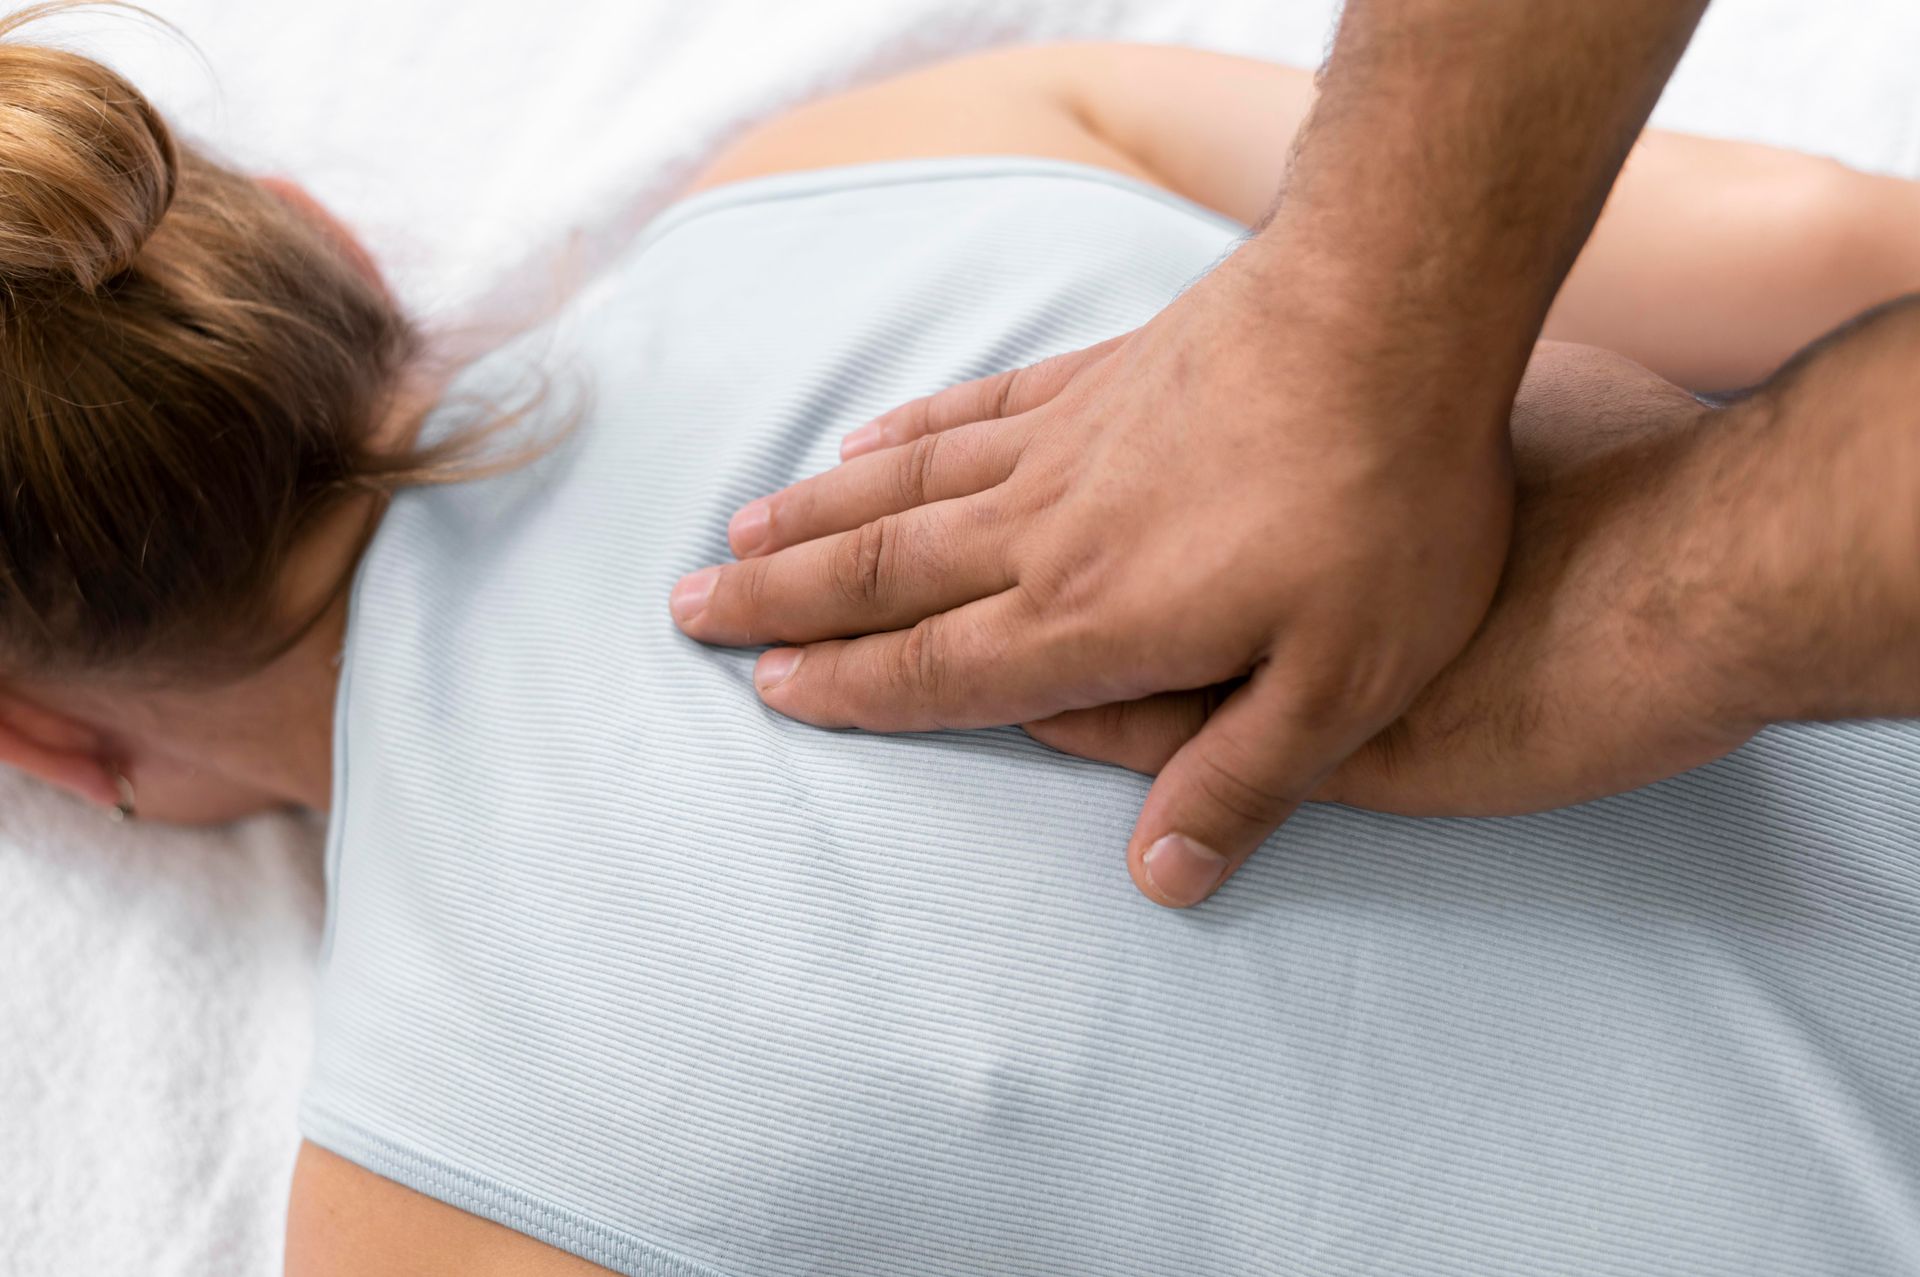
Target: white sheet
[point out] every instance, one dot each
(153, 1014)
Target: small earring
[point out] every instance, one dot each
(122, 810)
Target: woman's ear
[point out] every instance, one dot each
(59, 750)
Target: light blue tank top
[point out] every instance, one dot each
(622, 960)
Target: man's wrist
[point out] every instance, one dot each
(1449, 172)
(1388, 336)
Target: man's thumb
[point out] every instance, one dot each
(1222, 793)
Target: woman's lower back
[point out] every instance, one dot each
(627, 963)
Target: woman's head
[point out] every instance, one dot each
(200, 382)
(192, 369)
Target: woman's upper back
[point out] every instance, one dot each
(621, 959)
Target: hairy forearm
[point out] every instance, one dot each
(1457, 157)
(1816, 482)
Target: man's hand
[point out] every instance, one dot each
(1297, 474)
(1606, 661)
(1178, 508)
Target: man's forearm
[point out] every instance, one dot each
(1456, 160)
(1808, 501)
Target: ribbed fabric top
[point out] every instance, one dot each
(622, 960)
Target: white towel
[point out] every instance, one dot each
(153, 1015)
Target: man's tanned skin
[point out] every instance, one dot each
(1297, 475)
(1680, 576)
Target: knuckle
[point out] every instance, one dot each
(915, 420)
(916, 472)
(921, 662)
(1030, 613)
(1072, 583)
(736, 607)
(982, 511)
(1052, 479)
(794, 507)
(1227, 783)
(1001, 399)
(859, 564)
(1018, 435)
(1054, 372)
(750, 590)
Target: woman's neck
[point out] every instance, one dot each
(210, 752)
(302, 685)
(296, 693)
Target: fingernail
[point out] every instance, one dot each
(865, 439)
(747, 530)
(691, 594)
(776, 667)
(1183, 871)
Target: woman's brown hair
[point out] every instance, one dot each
(191, 372)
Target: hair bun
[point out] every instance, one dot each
(87, 168)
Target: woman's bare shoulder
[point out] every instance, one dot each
(1003, 102)
(345, 1221)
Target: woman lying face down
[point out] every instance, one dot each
(208, 419)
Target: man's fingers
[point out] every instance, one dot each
(883, 575)
(1005, 394)
(1216, 800)
(928, 677)
(1138, 735)
(932, 468)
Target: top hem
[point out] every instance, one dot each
(835, 179)
(555, 1225)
